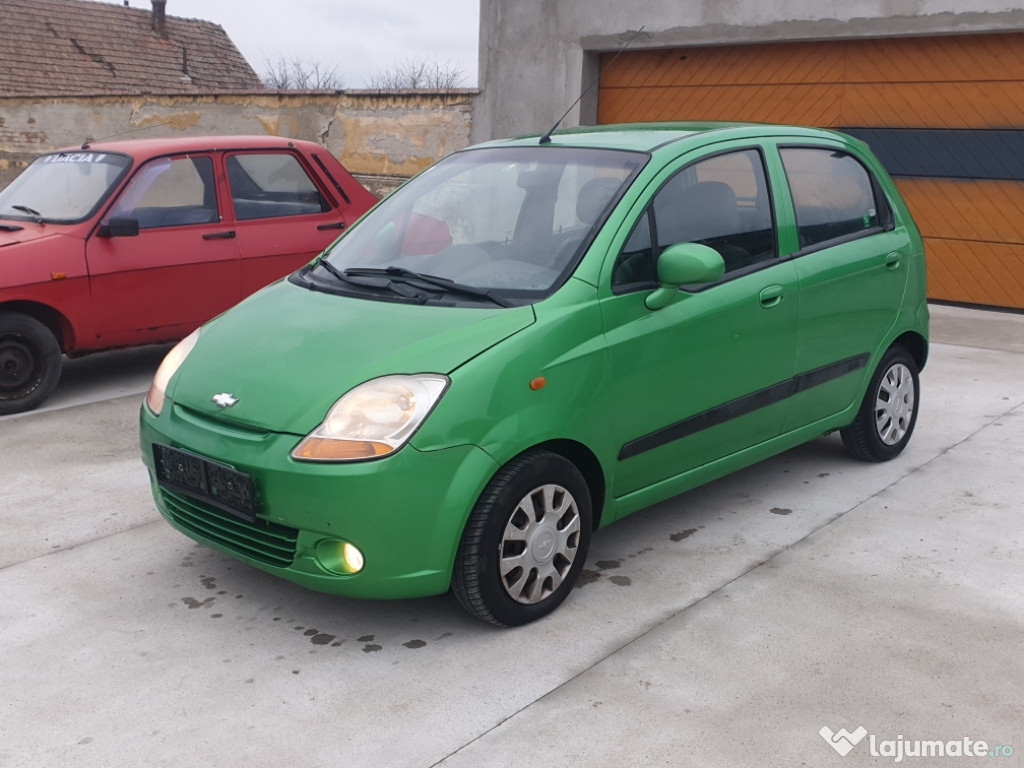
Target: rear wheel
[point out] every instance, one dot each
(888, 413)
(29, 362)
(526, 540)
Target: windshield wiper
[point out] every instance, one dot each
(443, 283)
(11, 227)
(387, 284)
(320, 261)
(30, 211)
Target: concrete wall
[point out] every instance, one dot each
(536, 56)
(380, 137)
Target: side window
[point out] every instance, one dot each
(833, 195)
(721, 202)
(272, 184)
(170, 191)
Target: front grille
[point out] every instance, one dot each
(263, 541)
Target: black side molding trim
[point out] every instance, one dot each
(743, 405)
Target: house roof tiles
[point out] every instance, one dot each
(71, 47)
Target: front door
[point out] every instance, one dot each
(707, 375)
(182, 267)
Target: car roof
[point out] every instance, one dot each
(647, 137)
(144, 148)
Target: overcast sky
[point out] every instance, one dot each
(358, 38)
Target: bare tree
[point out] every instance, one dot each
(296, 74)
(418, 74)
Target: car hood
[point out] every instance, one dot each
(287, 354)
(29, 233)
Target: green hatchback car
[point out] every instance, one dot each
(534, 338)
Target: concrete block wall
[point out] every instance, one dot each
(381, 137)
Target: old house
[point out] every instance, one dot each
(80, 47)
(72, 69)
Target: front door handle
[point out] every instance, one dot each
(229, 235)
(771, 296)
(893, 260)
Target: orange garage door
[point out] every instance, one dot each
(945, 114)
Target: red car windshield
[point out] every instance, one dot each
(63, 187)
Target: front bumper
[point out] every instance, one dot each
(405, 512)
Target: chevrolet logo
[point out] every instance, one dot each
(224, 399)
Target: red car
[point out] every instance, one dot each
(123, 243)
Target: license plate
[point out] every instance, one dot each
(212, 482)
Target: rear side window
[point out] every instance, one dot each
(268, 185)
(833, 194)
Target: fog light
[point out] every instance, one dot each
(340, 557)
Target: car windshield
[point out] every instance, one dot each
(509, 224)
(63, 187)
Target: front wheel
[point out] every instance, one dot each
(525, 542)
(29, 362)
(887, 415)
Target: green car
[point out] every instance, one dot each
(534, 338)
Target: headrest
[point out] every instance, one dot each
(594, 196)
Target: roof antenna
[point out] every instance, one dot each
(89, 140)
(546, 138)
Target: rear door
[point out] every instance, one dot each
(182, 267)
(851, 262)
(283, 218)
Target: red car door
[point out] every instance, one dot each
(282, 217)
(182, 266)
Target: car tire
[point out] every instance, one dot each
(525, 542)
(30, 362)
(888, 413)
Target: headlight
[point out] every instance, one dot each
(170, 365)
(376, 418)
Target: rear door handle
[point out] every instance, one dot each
(771, 296)
(893, 260)
(229, 235)
(333, 225)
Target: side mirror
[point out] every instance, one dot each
(120, 228)
(684, 264)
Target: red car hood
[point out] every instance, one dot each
(30, 232)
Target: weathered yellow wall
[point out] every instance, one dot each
(381, 137)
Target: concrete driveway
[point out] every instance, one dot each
(726, 627)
